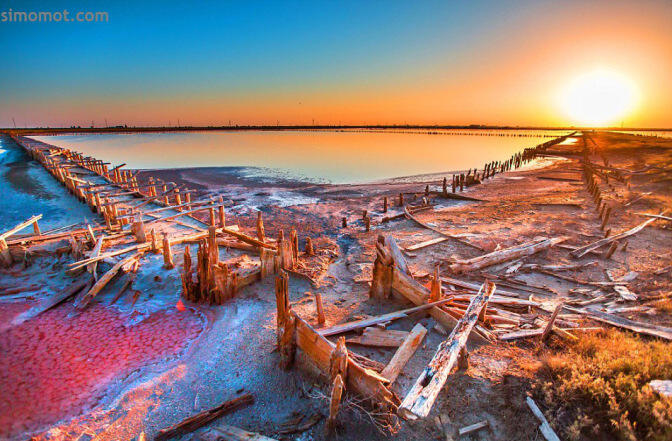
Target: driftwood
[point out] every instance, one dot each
(374, 336)
(551, 321)
(359, 324)
(231, 433)
(582, 251)
(404, 353)
(84, 298)
(436, 230)
(201, 419)
(504, 255)
(544, 428)
(52, 301)
(473, 428)
(20, 227)
(620, 322)
(420, 399)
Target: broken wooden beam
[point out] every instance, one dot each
(404, 353)
(199, 420)
(420, 399)
(504, 255)
(582, 251)
(84, 298)
(359, 324)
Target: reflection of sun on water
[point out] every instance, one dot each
(599, 98)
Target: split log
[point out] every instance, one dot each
(420, 399)
(364, 323)
(201, 419)
(582, 251)
(504, 255)
(404, 353)
(83, 299)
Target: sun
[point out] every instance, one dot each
(599, 98)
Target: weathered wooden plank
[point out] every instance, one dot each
(420, 399)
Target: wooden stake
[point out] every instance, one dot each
(335, 402)
(167, 253)
(309, 247)
(549, 325)
(318, 308)
(222, 215)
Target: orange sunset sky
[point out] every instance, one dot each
(497, 63)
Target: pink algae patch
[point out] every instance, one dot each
(54, 366)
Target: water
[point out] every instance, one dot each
(654, 133)
(351, 156)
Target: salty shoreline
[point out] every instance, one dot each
(236, 349)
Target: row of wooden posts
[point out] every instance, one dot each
(601, 206)
(214, 282)
(100, 199)
(472, 177)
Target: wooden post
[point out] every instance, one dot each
(381, 285)
(435, 293)
(344, 222)
(138, 229)
(401, 199)
(213, 248)
(167, 253)
(187, 197)
(5, 255)
(445, 186)
(338, 371)
(319, 309)
(309, 247)
(294, 240)
(286, 323)
(212, 216)
(606, 218)
(155, 244)
(611, 250)
(222, 215)
(367, 224)
(261, 233)
(385, 204)
(335, 402)
(36, 229)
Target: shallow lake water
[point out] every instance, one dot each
(314, 155)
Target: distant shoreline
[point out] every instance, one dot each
(157, 129)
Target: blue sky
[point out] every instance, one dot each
(240, 53)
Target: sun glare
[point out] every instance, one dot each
(599, 98)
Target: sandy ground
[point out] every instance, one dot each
(156, 364)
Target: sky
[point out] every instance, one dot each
(334, 62)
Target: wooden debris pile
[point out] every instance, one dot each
(343, 369)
